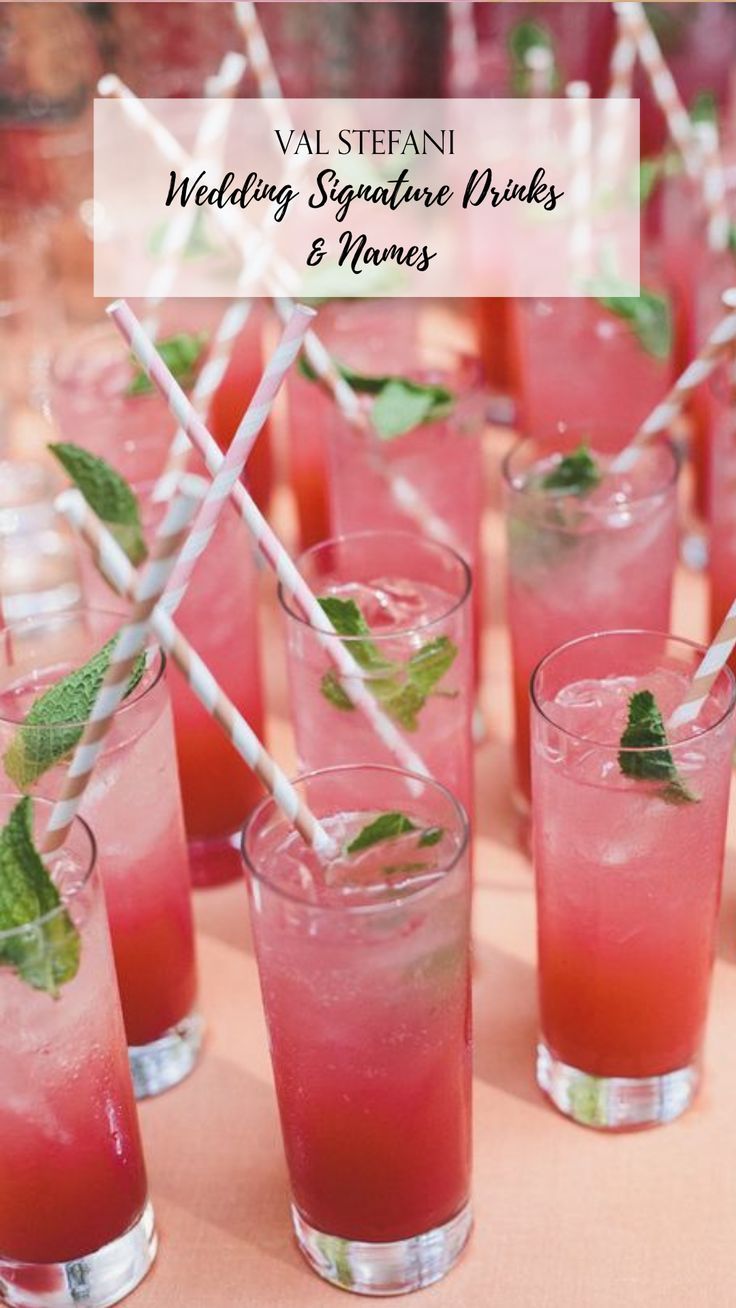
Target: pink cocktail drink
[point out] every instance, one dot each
(134, 806)
(439, 460)
(628, 848)
(578, 362)
(579, 563)
(414, 656)
(74, 1189)
(374, 1097)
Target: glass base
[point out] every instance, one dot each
(165, 1062)
(98, 1280)
(615, 1103)
(395, 1267)
(215, 862)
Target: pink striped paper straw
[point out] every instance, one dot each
(464, 54)
(711, 666)
(581, 182)
(696, 372)
(114, 565)
(246, 16)
(621, 77)
(130, 643)
(634, 21)
(714, 186)
(266, 540)
(221, 88)
(208, 381)
(241, 445)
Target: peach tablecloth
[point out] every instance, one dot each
(565, 1217)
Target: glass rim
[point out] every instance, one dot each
(590, 511)
(76, 889)
(401, 536)
(352, 909)
(672, 745)
(98, 331)
(136, 696)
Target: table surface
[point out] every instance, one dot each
(565, 1217)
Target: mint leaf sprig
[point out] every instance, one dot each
(402, 689)
(577, 473)
(181, 354)
(108, 495)
(644, 750)
(523, 38)
(399, 405)
(649, 317)
(389, 826)
(47, 955)
(55, 721)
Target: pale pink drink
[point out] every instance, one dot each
(577, 362)
(75, 1221)
(628, 851)
(416, 661)
(365, 978)
(370, 478)
(134, 807)
(583, 563)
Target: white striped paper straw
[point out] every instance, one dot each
(696, 372)
(130, 642)
(711, 666)
(208, 381)
(246, 16)
(116, 568)
(241, 445)
(464, 54)
(179, 229)
(714, 186)
(634, 20)
(581, 182)
(620, 86)
(266, 540)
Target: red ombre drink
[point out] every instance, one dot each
(584, 560)
(427, 479)
(134, 806)
(414, 656)
(364, 967)
(578, 362)
(629, 831)
(722, 553)
(74, 1218)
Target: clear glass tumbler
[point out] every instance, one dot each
(365, 976)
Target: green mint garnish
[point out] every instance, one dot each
(55, 721)
(46, 955)
(644, 752)
(401, 689)
(387, 826)
(431, 836)
(704, 108)
(108, 495)
(575, 474)
(649, 317)
(651, 173)
(399, 406)
(403, 405)
(180, 353)
(522, 39)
